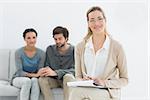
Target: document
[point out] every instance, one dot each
(87, 83)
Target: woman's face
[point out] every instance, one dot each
(30, 39)
(96, 22)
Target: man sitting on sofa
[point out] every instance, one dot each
(59, 64)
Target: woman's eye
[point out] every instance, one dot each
(28, 38)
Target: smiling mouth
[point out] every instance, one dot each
(98, 27)
(32, 43)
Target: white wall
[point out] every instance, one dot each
(1, 25)
(127, 22)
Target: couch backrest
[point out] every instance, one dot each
(12, 65)
(4, 64)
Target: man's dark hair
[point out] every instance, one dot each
(61, 30)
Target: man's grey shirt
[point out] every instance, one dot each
(60, 63)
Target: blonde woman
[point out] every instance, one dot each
(102, 59)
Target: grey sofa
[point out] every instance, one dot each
(7, 69)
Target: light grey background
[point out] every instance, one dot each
(127, 22)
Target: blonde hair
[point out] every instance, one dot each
(94, 8)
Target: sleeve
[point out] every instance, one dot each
(78, 73)
(18, 62)
(122, 70)
(62, 72)
(47, 59)
(42, 59)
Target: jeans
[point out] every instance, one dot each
(29, 88)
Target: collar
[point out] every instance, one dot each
(89, 44)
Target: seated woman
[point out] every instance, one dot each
(29, 59)
(99, 58)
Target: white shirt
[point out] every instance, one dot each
(95, 63)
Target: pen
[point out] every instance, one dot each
(95, 84)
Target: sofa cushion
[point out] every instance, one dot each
(4, 82)
(7, 90)
(4, 64)
(57, 91)
(8, 98)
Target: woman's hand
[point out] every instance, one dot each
(86, 77)
(99, 82)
